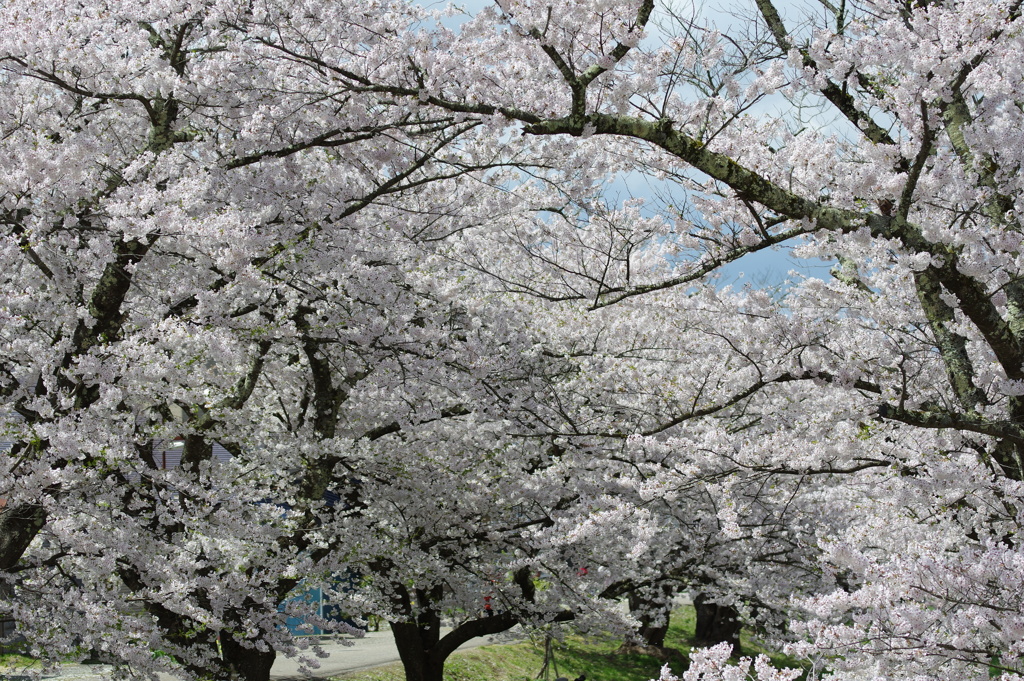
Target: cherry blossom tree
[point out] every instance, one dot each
(205, 245)
(905, 174)
(377, 256)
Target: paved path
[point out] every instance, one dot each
(372, 650)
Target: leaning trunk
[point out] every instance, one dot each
(717, 623)
(19, 525)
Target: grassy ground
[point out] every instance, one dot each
(12, 661)
(594, 657)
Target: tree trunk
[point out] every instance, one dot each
(418, 639)
(244, 663)
(424, 652)
(183, 633)
(19, 525)
(717, 623)
(416, 648)
(653, 614)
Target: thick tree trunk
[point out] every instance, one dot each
(417, 649)
(182, 631)
(653, 615)
(19, 525)
(246, 664)
(420, 646)
(423, 651)
(717, 623)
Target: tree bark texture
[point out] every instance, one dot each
(247, 664)
(653, 615)
(717, 623)
(417, 649)
(19, 525)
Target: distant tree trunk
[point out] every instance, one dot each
(652, 611)
(717, 623)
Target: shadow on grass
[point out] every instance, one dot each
(594, 657)
(618, 666)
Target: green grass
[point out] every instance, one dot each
(684, 623)
(15, 661)
(523, 661)
(596, 657)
